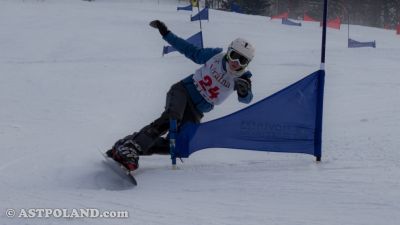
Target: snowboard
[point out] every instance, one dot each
(119, 169)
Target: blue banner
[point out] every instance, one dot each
(290, 23)
(196, 39)
(357, 44)
(202, 15)
(187, 8)
(236, 8)
(288, 121)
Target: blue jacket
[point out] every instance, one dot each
(201, 56)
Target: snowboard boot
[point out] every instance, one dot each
(126, 154)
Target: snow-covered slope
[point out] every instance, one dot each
(75, 76)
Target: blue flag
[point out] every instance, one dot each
(290, 23)
(196, 40)
(288, 121)
(357, 44)
(202, 15)
(187, 8)
(236, 8)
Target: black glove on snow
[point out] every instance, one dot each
(242, 86)
(160, 26)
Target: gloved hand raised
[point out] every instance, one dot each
(160, 26)
(242, 86)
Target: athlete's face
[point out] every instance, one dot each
(236, 61)
(234, 65)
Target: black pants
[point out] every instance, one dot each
(180, 107)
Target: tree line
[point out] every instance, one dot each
(375, 13)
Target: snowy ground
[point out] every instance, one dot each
(76, 75)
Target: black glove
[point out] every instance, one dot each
(242, 86)
(160, 26)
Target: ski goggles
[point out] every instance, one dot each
(235, 56)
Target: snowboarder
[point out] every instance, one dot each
(220, 75)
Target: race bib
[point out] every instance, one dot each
(212, 81)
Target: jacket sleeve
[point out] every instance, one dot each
(197, 55)
(246, 99)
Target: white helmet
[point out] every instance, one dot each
(243, 47)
